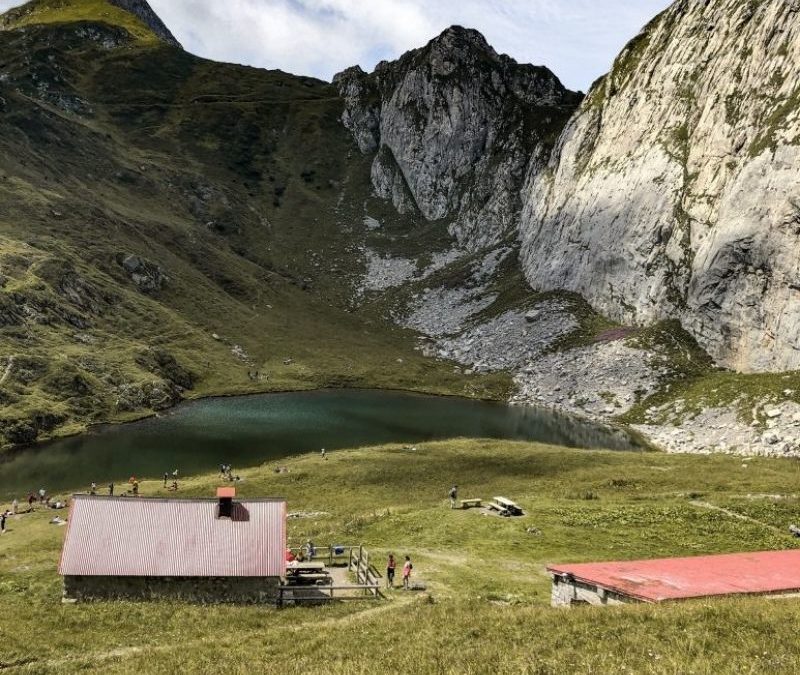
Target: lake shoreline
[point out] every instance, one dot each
(12, 451)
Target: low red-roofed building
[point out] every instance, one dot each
(205, 550)
(610, 583)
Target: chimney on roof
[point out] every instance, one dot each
(225, 496)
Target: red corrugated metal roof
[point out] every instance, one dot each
(696, 577)
(127, 536)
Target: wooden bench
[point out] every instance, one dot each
(495, 506)
(470, 503)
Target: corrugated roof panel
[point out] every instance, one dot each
(694, 577)
(124, 536)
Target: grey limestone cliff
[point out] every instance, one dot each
(454, 128)
(675, 190)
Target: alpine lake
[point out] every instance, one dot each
(199, 436)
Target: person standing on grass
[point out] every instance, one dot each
(407, 567)
(3, 522)
(111, 489)
(453, 494)
(15, 506)
(166, 475)
(390, 567)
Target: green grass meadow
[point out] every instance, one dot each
(486, 608)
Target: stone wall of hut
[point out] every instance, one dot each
(567, 592)
(205, 590)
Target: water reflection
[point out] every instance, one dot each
(244, 431)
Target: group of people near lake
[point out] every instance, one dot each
(41, 498)
(226, 471)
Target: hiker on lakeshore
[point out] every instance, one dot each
(407, 567)
(390, 567)
(15, 506)
(453, 494)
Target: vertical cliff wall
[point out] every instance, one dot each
(675, 190)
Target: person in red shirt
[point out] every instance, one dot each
(407, 567)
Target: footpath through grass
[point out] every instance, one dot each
(487, 605)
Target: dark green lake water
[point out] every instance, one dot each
(244, 431)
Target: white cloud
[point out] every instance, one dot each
(577, 39)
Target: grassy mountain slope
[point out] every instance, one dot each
(150, 201)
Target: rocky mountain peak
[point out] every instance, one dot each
(453, 126)
(460, 40)
(142, 10)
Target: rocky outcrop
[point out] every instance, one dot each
(453, 128)
(142, 10)
(675, 190)
(148, 277)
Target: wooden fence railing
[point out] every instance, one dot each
(365, 573)
(357, 560)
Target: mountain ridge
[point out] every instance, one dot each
(139, 18)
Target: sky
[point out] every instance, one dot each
(577, 39)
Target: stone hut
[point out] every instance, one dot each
(612, 583)
(201, 550)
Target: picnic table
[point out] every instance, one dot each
(310, 567)
(505, 507)
(307, 573)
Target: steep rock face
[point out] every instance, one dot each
(675, 190)
(454, 127)
(145, 13)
